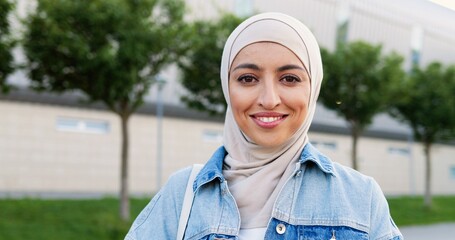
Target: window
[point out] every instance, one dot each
(403, 151)
(452, 172)
(327, 145)
(212, 136)
(82, 125)
(243, 8)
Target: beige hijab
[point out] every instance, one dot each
(255, 174)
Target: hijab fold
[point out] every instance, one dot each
(255, 174)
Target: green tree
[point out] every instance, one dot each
(426, 102)
(357, 81)
(111, 50)
(201, 66)
(6, 45)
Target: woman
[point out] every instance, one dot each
(268, 181)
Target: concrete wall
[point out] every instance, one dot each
(37, 157)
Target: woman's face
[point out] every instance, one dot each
(269, 90)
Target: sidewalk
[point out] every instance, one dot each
(429, 232)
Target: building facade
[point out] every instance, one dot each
(55, 146)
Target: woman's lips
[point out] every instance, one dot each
(268, 119)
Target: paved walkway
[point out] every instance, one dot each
(440, 231)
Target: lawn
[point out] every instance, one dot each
(98, 219)
(410, 210)
(64, 219)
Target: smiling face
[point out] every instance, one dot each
(269, 90)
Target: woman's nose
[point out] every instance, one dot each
(269, 96)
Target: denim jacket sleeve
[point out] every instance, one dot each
(159, 219)
(382, 225)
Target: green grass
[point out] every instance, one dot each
(64, 219)
(410, 210)
(98, 219)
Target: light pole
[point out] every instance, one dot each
(159, 131)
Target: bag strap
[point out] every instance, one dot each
(187, 201)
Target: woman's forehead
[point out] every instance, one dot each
(266, 53)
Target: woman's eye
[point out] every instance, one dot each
(290, 79)
(247, 79)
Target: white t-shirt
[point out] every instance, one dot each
(252, 234)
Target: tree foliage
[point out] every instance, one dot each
(426, 102)
(201, 66)
(6, 45)
(111, 50)
(357, 82)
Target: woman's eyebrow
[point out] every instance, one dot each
(290, 67)
(248, 66)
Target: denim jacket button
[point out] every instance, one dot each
(280, 228)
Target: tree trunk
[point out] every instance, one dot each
(427, 150)
(124, 196)
(355, 132)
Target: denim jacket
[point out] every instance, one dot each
(321, 200)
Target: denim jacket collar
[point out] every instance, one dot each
(212, 170)
(310, 153)
(214, 167)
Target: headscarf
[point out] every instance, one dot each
(255, 174)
